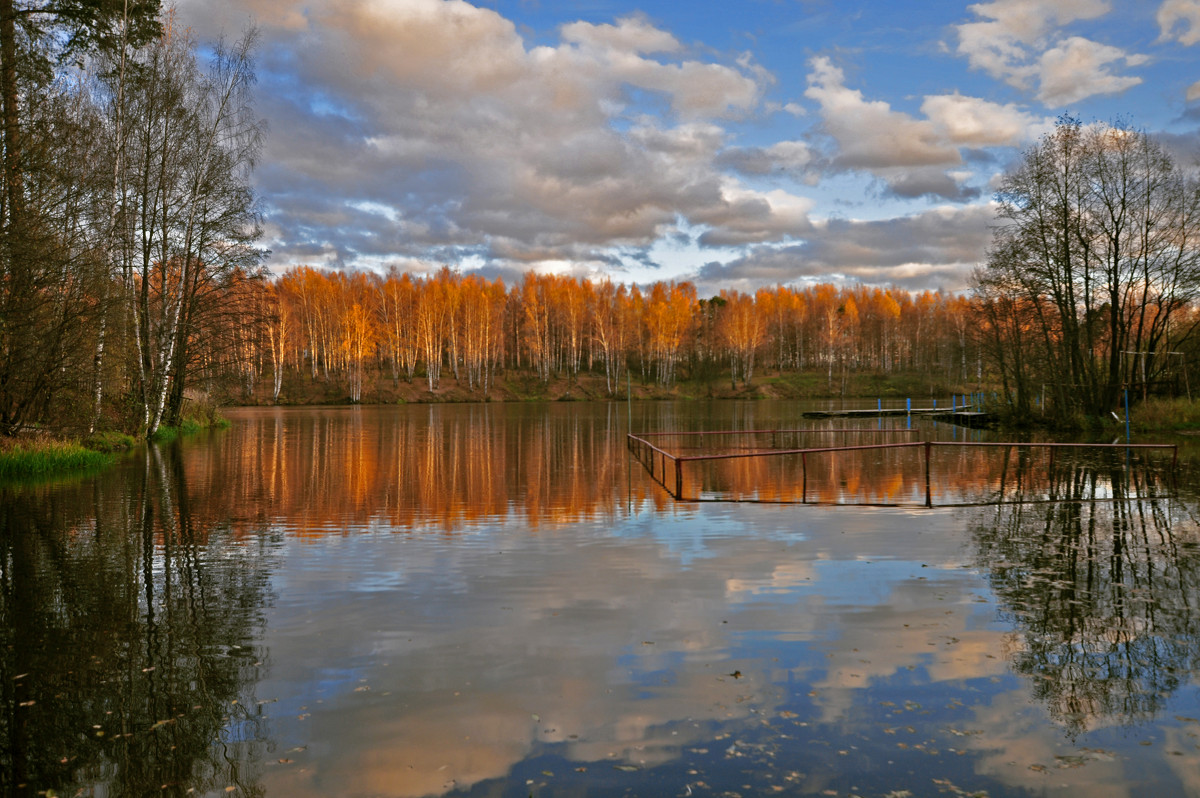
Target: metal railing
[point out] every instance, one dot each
(659, 461)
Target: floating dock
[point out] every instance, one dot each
(887, 411)
(961, 414)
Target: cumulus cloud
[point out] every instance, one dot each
(631, 35)
(1179, 20)
(910, 156)
(1079, 68)
(420, 132)
(1019, 42)
(476, 142)
(974, 122)
(782, 156)
(935, 249)
(869, 134)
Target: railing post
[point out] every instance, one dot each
(803, 477)
(928, 494)
(678, 479)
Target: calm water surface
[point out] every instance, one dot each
(498, 600)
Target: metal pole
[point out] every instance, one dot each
(1127, 415)
(678, 479)
(629, 400)
(928, 494)
(803, 477)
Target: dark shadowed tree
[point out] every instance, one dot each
(49, 154)
(1096, 245)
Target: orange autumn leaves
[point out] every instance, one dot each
(347, 326)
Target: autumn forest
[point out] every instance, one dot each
(135, 292)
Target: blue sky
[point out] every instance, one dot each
(734, 144)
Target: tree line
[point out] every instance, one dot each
(344, 327)
(126, 208)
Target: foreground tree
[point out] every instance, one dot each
(51, 214)
(188, 211)
(1096, 246)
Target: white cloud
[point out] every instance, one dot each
(998, 46)
(974, 122)
(756, 216)
(1079, 68)
(869, 134)
(1179, 20)
(630, 35)
(1193, 92)
(937, 248)
(912, 157)
(481, 144)
(1019, 42)
(791, 157)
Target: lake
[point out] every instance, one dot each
(500, 600)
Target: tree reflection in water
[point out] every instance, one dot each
(128, 661)
(1101, 586)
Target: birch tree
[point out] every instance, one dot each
(190, 213)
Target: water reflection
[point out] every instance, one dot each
(480, 600)
(440, 467)
(130, 642)
(1101, 587)
(886, 467)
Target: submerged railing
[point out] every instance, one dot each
(667, 467)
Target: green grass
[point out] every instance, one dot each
(1165, 414)
(48, 458)
(165, 434)
(190, 426)
(109, 442)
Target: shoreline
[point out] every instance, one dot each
(44, 457)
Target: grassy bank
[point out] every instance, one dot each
(41, 458)
(1155, 415)
(190, 426)
(44, 456)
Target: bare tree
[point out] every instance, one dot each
(1096, 242)
(190, 213)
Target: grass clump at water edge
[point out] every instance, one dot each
(1165, 414)
(41, 458)
(109, 441)
(190, 426)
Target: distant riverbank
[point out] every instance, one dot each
(46, 456)
(306, 390)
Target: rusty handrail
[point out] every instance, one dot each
(679, 460)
